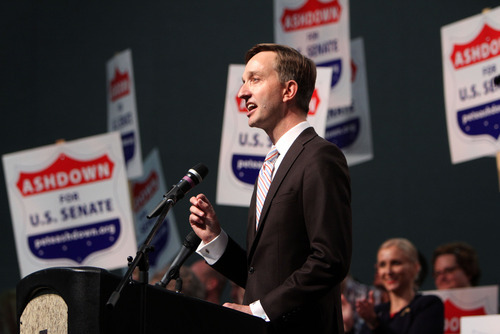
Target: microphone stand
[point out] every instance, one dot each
(189, 245)
(172, 273)
(178, 285)
(142, 261)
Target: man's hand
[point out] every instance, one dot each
(203, 219)
(238, 307)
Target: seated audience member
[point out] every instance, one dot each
(455, 265)
(213, 281)
(407, 312)
(353, 290)
(191, 285)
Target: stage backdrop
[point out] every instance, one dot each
(53, 86)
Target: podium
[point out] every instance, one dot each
(73, 300)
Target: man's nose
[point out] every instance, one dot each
(244, 92)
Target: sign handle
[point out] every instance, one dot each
(498, 168)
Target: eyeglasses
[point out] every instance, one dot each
(445, 271)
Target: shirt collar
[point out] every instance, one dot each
(284, 143)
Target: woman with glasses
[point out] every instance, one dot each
(455, 265)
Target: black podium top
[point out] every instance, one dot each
(141, 308)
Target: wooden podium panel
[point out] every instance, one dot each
(73, 300)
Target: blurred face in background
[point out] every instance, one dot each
(395, 270)
(448, 274)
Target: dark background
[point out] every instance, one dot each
(53, 86)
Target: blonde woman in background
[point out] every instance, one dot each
(407, 311)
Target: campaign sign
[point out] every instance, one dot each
(466, 302)
(480, 324)
(319, 29)
(70, 204)
(122, 110)
(147, 192)
(349, 127)
(471, 61)
(243, 149)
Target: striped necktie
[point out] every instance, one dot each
(265, 177)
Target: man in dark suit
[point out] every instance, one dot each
(299, 234)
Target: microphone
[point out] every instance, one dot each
(189, 245)
(194, 176)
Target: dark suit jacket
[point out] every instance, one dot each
(295, 262)
(424, 314)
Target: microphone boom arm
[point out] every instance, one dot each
(141, 258)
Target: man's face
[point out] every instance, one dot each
(448, 274)
(262, 92)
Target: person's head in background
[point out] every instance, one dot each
(418, 281)
(455, 265)
(398, 267)
(213, 281)
(191, 285)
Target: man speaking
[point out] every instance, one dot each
(299, 233)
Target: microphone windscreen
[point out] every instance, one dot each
(192, 240)
(201, 169)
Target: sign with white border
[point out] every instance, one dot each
(462, 302)
(349, 127)
(122, 109)
(319, 29)
(471, 61)
(480, 324)
(70, 204)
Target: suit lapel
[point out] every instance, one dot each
(289, 159)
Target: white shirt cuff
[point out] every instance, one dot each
(213, 251)
(258, 311)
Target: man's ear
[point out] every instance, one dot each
(290, 90)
